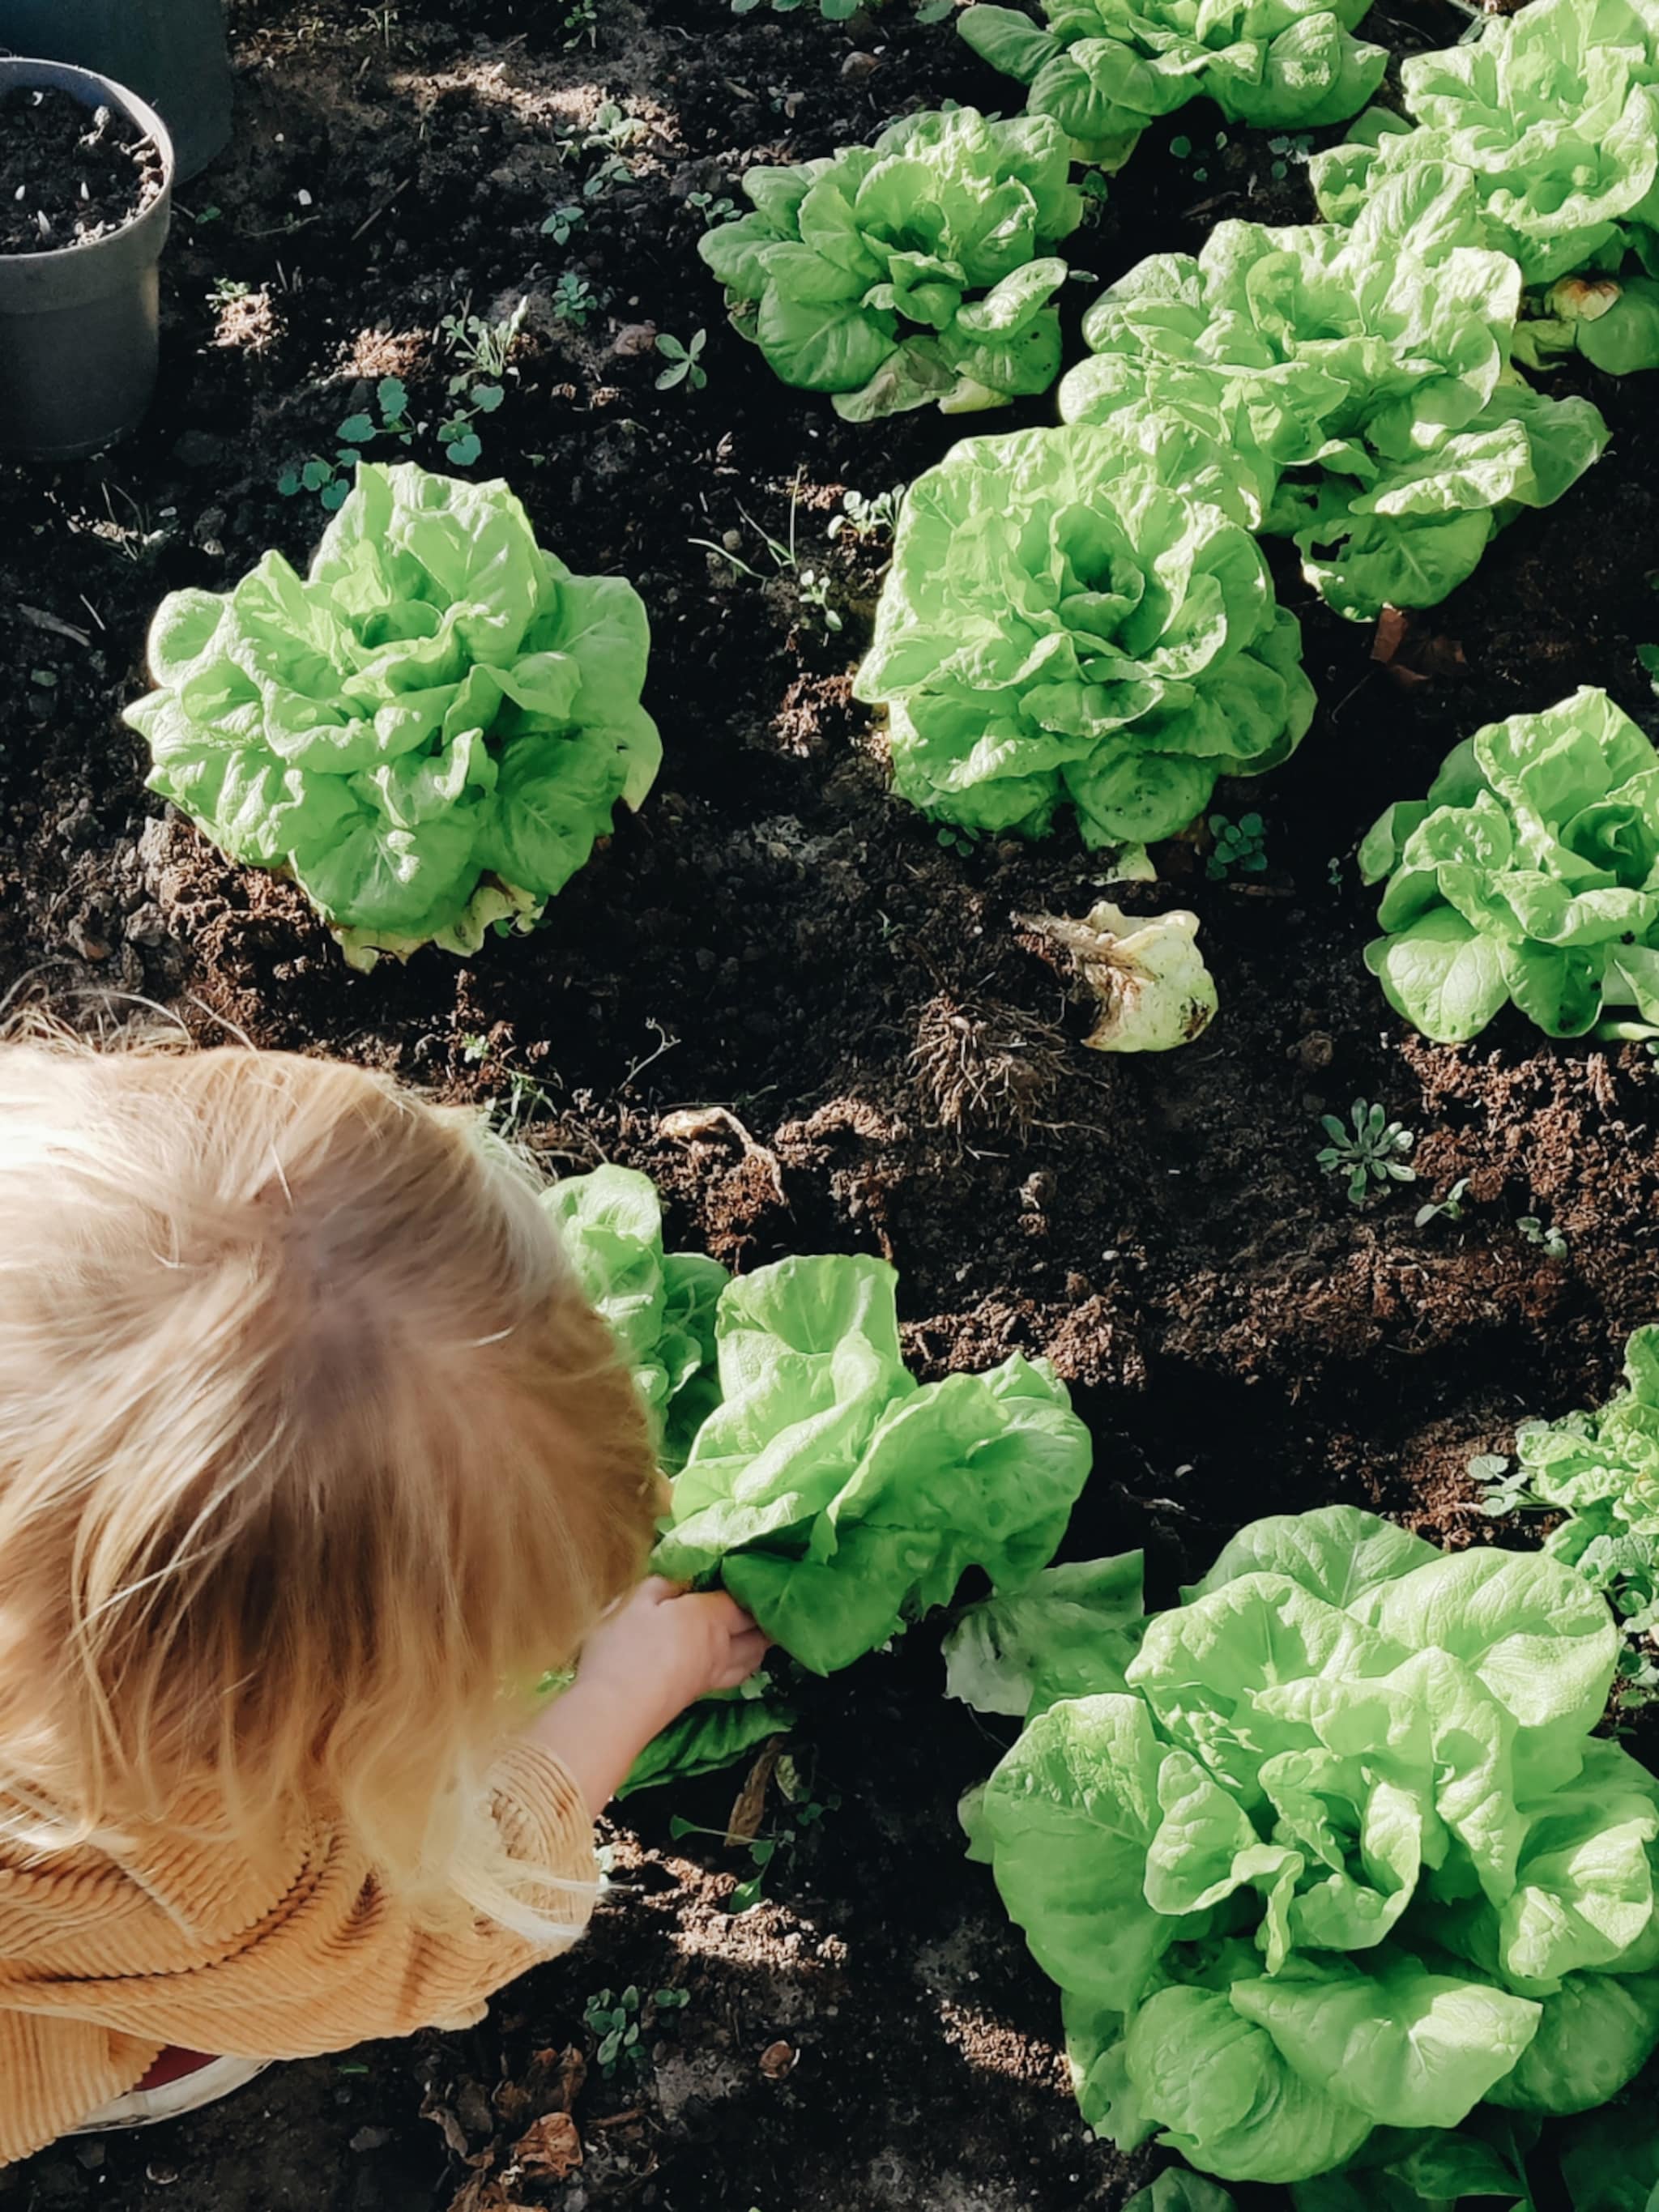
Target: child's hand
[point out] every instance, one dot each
(650, 1657)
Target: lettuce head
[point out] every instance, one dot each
(920, 268)
(1081, 617)
(1339, 1855)
(1530, 873)
(429, 731)
(1364, 373)
(1105, 69)
(1552, 113)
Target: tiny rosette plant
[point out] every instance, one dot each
(1364, 374)
(1081, 617)
(429, 731)
(1553, 114)
(1338, 1854)
(1105, 69)
(916, 269)
(1530, 873)
(836, 1498)
(659, 1305)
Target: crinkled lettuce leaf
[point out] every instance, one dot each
(1081, 617)
(1362, 375)
(1530, 873)
(660, 1305)
(1553, 114)
(1068, 1633)
(1105, 69)
(836, 1497)
(1341, 1865)
(440, 710)
(917, 270)
(715, 1732)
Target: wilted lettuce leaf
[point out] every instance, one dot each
(838, 1499)
(1104, 69)
(1081, 617)
(1326, 1868)
(1363, 377)
(916, 269)
(1553, 115)
(427, 731)
(1530, 873)
(661, 1306)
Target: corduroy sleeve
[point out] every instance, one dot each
(324, 1958)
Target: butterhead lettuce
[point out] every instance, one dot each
(1340, 1855)
(1081, 617)
(1105, 69)
(428, 731)
(1552, 113)
(920, 268)
(1530, 873)
(1364, 375)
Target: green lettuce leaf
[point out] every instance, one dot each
(429, 731)
(661, 1306)
(918, 269)
(1531, 874)
(1081, 617)
(1339, 1875)
(1069, 1632)
(1105, 69)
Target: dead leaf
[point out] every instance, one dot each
(777, 2060)
(482, 2195)
(555, 2079)
(1390, 634)
(749, 1810)
(1411, 658)
(549, 2146)
(687, 1123)
(447, 2125)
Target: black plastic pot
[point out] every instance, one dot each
(80, 329)
(172, 52)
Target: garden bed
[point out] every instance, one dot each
(776, 935)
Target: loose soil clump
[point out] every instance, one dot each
(69, 174)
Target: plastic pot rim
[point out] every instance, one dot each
(21, 273)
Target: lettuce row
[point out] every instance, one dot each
(1362, 376)
(1104, 69)
(1530, 873)
(429, 731)
(1335, 1853)
(920, 268)
(1081, 617)
(660, 1305)
(1553, 114)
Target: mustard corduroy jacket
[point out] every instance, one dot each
(107, 1957)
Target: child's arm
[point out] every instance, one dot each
(651, 1657)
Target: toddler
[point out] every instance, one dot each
(313, 1462)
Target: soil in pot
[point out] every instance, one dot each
(70, 175)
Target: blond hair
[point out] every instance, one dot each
(312, 1459)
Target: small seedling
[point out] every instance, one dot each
(613, 129)
(684, 363)
(228, 290)
(575, 300)
(864, 517)
(1237, 849)
(1369, 1149)
(331, 479)
(712, 210)
(955, 839)
(814, 588)
(617, 2021)
(1449, 1208)
(566, 220)
(812, 585)
(1548, 1239)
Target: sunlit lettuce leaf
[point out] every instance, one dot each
(1105, 69)
(1081, 617)
(1341, 1865)
(438, 709)
(1530, 874)
(918, 270)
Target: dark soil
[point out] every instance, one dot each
(69, 174)
(774, 935)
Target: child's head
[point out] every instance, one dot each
(312, 1459)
